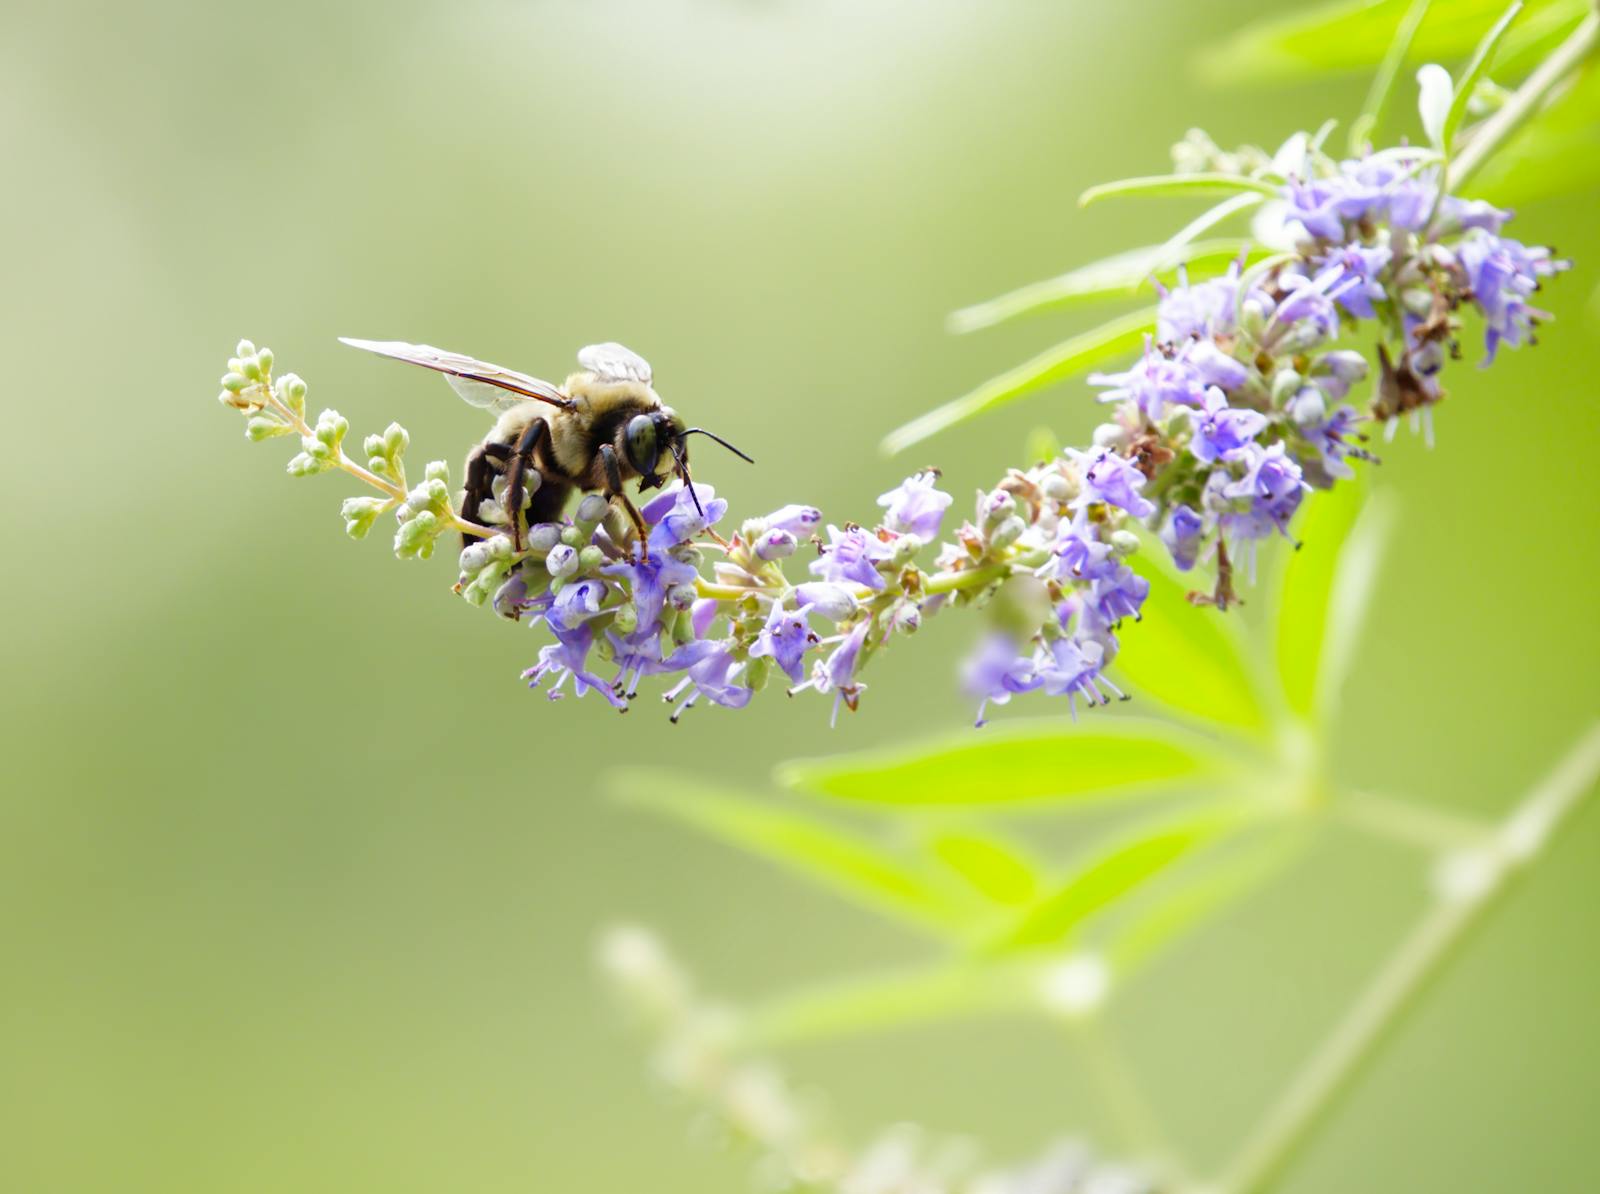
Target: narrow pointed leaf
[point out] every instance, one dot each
(1110, 277)
(1383, 82)
(1182, 185)
(865, 871)
(1029, 764)
(1434, 98)
(1189, 658)
(1482, 57)
(1110, 874)
(994, 868)
(1068, 359)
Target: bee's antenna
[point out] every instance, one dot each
(720, 440)
(683, 473)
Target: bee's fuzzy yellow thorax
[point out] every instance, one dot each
(601, 396)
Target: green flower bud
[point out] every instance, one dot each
(415, 537)
(1111, 435)
(395, 440)
(1124, 543)
(905, 550)
(234, 381)
(562, 561)
(681, 597)
(572, 536)
(1252, 318)
(1007, 533)
(590, 558)
(360, 513)
(372, 445)
(306, 465)
(245, 349)
(380, 466)
(260, 427)
(437, 470)
(1418, 300)
(1056, 487)
(264, 359)
(251, 368)
(294, 393)
(627, 619)
(1285, 384)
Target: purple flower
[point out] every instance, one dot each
(799, 521)
(1077, 553)
(1072, 669)
(575, 605)
(1503, 273)
(675, 517)
(996, 672)
(565, 659)
(1112, 479)
(775, 544)
(850, 556)
(1182, 534)
(1155, 382)
(1204, 309)
(915, 507)
(784, 639)
(1307, 314)
(649, 581)
(837, 673)
(1273, 485)
(711, 666)
(1222, 432)
(1214, 366)
(1119, 594)
(832, 601)
(1358, 286)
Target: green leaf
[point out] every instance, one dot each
(1178, 184)
(1068, 359)
(1306, 590)
(1383, 82)
(994, 868)
(1112, 873)
(1467, 82)
(1111, 277)
(1435, 98)
(1018, 765)
(1189, 658)
(1356, 35)
(1196, 893)
(864, 871)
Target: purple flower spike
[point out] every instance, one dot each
(1110, 478)
(915, 507)
(996, 672)
(1222, 432)
(850, 556)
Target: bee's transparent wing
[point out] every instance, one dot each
(486, 386)
(612, 362)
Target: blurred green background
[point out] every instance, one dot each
(298, 884)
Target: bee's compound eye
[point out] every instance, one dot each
(642, 450)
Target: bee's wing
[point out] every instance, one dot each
(478, 382)
(612, 362)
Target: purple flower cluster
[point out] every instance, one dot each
(1238, 406)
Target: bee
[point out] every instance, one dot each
(604, 426)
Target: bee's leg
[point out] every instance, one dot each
(608, 457)
(537, 432)
(480, 476)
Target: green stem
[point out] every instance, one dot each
(1383, 81)
(1472, 881)
(1525, 101)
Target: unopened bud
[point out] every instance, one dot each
(542, 537)
(1007, 533)
(264, 359)
(1111, 435)
(1284, 383)
(681, 597)
(1124, 543)
(590, 558)
(776, 544)
(562, 560)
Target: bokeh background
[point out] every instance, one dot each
(298, 886)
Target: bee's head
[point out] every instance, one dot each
(656, 446)
(653, 444)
